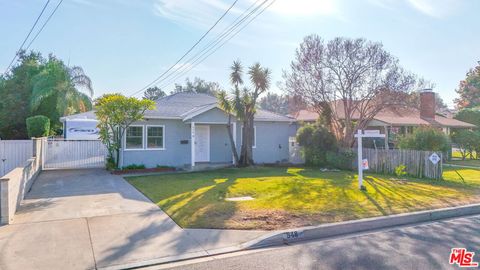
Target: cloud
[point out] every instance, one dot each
(432, 8)
(436, 8)
(305, 7)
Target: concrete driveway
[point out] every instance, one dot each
(87, 219)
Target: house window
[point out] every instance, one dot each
(155, 137)
(134, 137)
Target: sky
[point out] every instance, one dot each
(123, 45)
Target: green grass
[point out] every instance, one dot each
(291, 197)
(466, 162)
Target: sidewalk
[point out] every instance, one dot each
(89, 219)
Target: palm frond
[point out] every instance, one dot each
(236, 74)
(79, 79)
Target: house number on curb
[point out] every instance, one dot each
(289, 236)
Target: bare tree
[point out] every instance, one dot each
(353, 78)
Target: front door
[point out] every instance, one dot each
(202, 143)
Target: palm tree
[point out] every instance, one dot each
(228, 106)
(243, 104)
(62, 84)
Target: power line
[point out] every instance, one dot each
(26, 38)
(229, 29)
(44, 24)
(183, 56)
(196, 63)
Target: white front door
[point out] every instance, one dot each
(202, 143)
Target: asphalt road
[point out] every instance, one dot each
(425, 246)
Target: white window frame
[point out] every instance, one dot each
(254, 136)
(146, 137)
(125, 139)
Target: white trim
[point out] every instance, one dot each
(211, 123)
(146, 137)
(163, 117)
(189, 115)
(192, 143)
(125, 139)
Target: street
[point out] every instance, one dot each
(425, 246)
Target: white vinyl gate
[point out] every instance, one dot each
(74, 154)
(14, 153)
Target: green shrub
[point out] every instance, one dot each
(401, 170)
(316, 141)
(343, 159)
(425, 139)
(110, 164)
(38, 126)
(134, 167)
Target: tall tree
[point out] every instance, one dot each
(354, 78)
(469, 89)
(39, 86)
(64, 85)
(15, 92)
(275, 103)
(153, 93)
(244, 102)
(115, 114)
(228, 106)
(198, 86)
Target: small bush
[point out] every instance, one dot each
(134, 167)
(316, 141)
(38, 126)
(110, 164)
(425, 139)
(342, 159)
(400, 170)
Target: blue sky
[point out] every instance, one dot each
(124, 44)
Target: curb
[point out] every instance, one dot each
(356, 226)
(283, 237)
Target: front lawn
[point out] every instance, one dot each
(292, 197)
(466, 162)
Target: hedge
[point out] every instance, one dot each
(38, 126)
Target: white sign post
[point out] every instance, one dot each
(361, 163)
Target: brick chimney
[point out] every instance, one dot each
(427, 104)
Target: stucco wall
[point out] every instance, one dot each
(174, 154)
(271, 146)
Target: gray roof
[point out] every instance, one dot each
(178, 105)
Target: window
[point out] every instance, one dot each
(155, 137)
(134, 137)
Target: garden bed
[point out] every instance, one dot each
(144, 170)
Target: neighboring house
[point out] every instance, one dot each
(166, 134)
(400, 119)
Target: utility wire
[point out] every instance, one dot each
(196, 63)
(26, 38)
(229, 29)
(44, 24)
(184, 55)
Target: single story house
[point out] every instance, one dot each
(397, 120)
(165, 136)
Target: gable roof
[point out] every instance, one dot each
(185, 106)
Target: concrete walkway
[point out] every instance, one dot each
(87, 219)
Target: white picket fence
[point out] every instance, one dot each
(74, 154)
(14, 153)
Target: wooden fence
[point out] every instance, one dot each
(417, 163)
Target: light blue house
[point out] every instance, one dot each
(166, 134)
